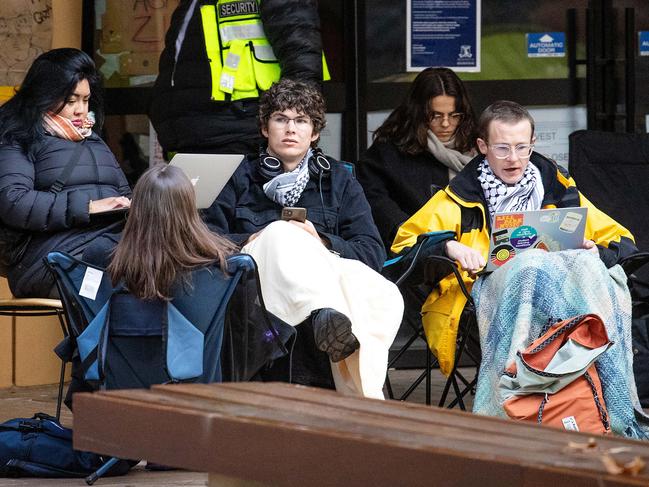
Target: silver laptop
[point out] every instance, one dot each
(209, 173)
(551, 229)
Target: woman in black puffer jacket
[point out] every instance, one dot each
(42, 128)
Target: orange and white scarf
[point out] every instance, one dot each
(64, 128)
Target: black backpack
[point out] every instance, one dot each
(41, 447)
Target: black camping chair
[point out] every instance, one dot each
(115, 348)
(415, 272)
(612, 171)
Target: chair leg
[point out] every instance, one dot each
(59, 399)
(414, 385)
(452, 381)
(61, 316)
(429, 367)
(447, 387)
(404, 348)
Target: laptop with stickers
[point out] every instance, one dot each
(552, 229)
(209, 173)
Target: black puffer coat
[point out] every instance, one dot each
(397, 184)
(57, 221)
(335, 205)
(182, 112)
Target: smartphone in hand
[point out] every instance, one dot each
(294, 213)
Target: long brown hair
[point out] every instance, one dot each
(164, 236)
(408, 124)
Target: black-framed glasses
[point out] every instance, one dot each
(502, 151)
(452, 118)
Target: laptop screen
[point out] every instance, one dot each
(209, 173)
(552, 229)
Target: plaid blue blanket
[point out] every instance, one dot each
(516, 301)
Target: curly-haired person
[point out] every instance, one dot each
(325, 267)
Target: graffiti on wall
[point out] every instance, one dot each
(131, 37)
(25, 33)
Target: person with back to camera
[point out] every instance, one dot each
(424, 142)
(55, 171)
(159, 254)
(325, 266)
(165, 232)
(516, 301)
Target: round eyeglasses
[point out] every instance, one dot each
(502, 151)
(452, 118)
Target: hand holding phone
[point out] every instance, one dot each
(294, 213)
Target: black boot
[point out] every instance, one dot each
(332, 331)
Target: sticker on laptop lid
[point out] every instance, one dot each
(570, 222)
(510, 220)
(550, 216)
(501, 236)
(501, 254)
(523, 237)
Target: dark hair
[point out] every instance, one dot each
(164, 236)
(288, 94)
(505, 111)
(50, 81)
(408, 124)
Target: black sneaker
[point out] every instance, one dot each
(332, 331)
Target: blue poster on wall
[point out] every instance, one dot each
(643, 42)
(546, 44)
(443, 33)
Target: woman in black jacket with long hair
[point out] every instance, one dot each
(422, 144)
(56, 174)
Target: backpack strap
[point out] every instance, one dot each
(62, 180)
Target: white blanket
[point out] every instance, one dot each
(299, 275)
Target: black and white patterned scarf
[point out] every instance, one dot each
(286, 188)
(526, 194)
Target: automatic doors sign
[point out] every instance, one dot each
(443, 33)
(546, 44)
(643, 42)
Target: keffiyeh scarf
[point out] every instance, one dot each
(527, 194)
(62, 127)
(286, 188)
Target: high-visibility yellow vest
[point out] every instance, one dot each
(242, 61)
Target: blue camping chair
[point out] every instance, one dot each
(413, 270)
(215, 328)
(117, 344)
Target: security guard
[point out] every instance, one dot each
(218, 57)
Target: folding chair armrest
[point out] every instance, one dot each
(402, 267)
(437, 267)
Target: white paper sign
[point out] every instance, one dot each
(91, 283)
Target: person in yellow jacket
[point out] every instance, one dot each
(507, 176)
(219, 57)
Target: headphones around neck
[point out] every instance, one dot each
(271, 166)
